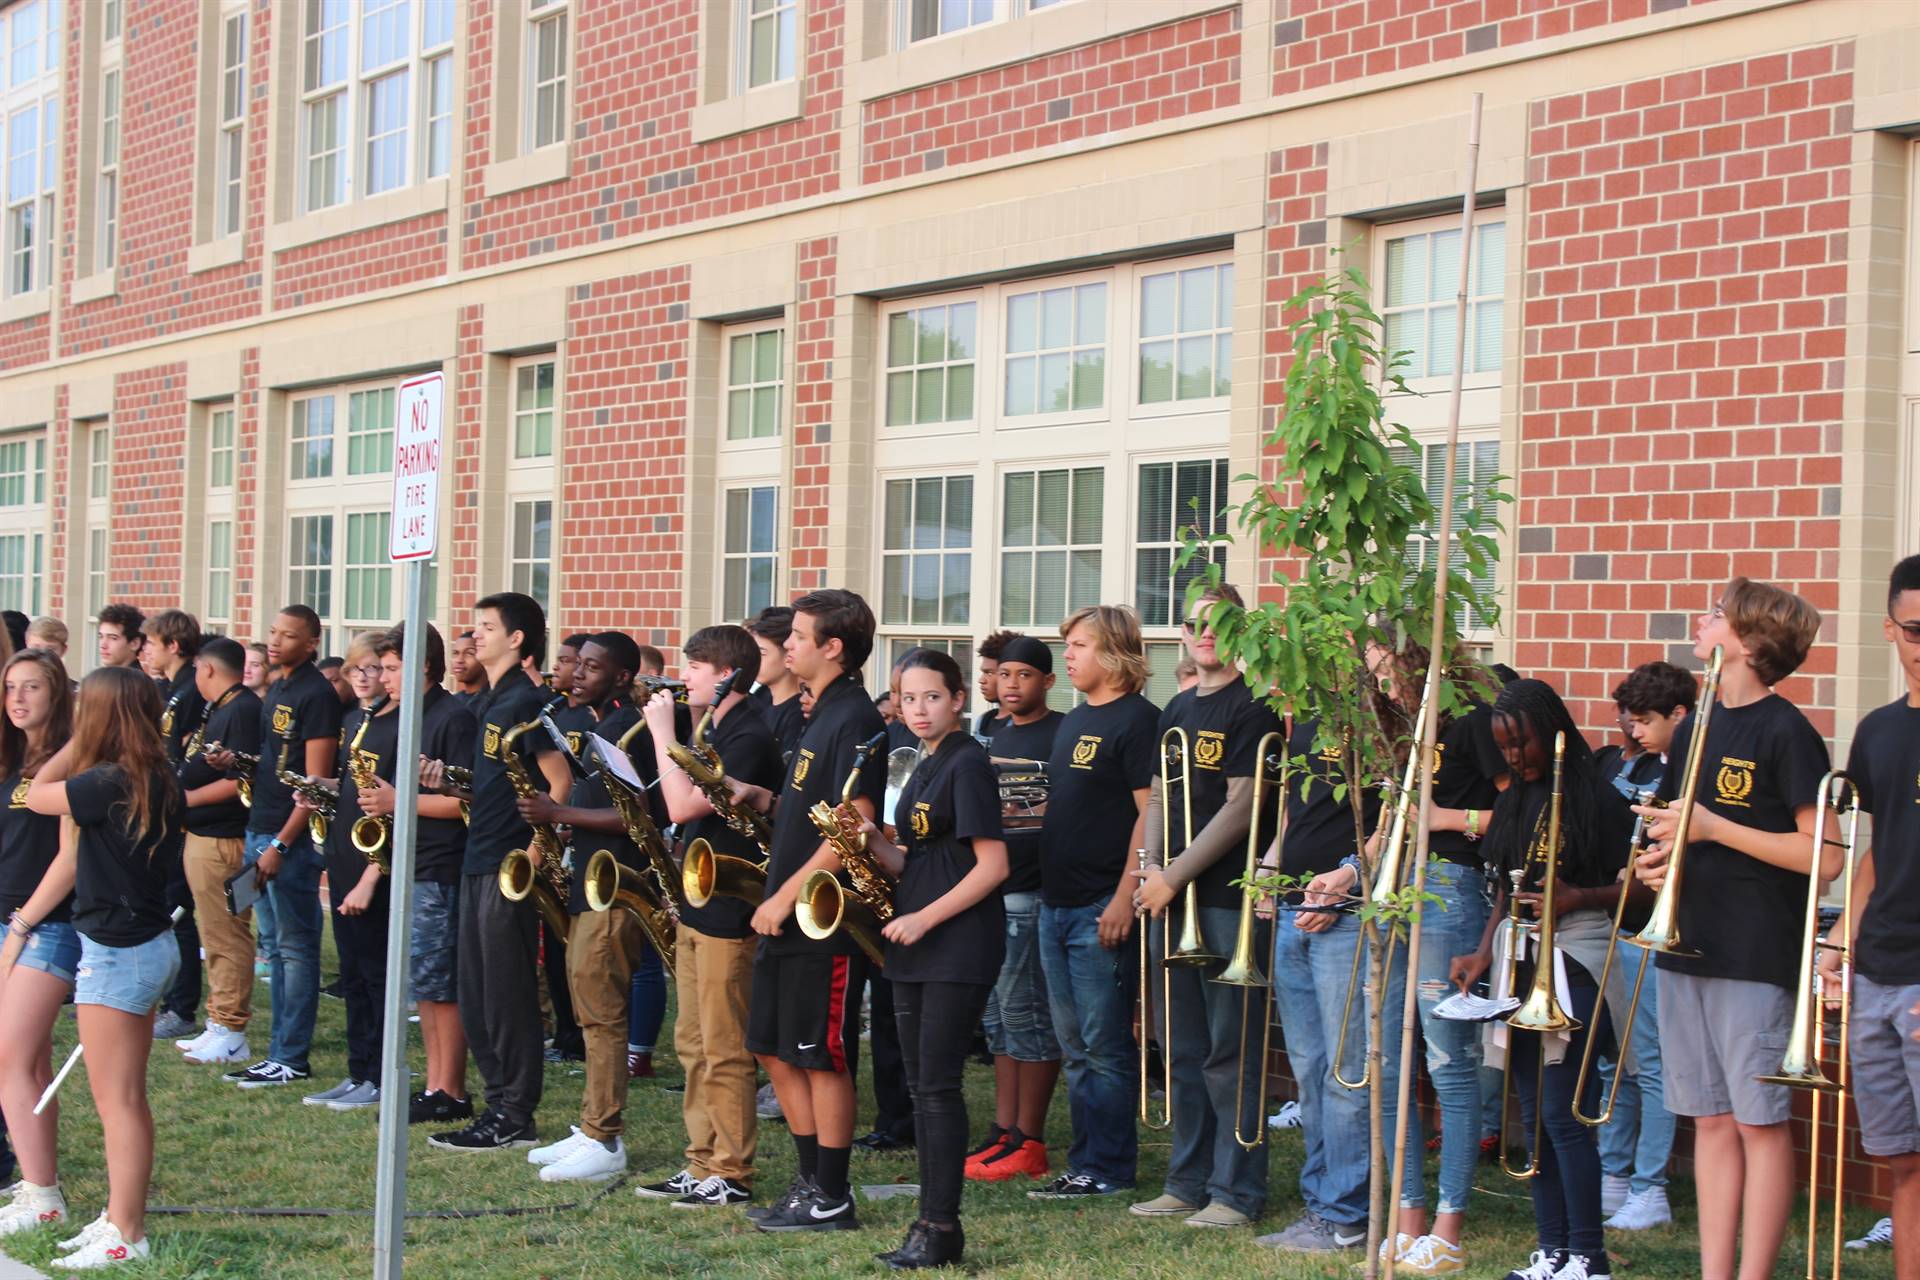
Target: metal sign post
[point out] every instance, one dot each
(415, 522)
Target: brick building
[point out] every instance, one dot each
(959, 302)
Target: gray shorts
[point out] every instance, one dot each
(1716, 1035)
(1886, 1067)
(435, 945)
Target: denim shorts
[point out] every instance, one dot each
(436, 938)
(1022, 1025)
(130, 979)
(53, 947)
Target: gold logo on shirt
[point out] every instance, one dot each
(1085, 750)
(20, 794)
(491, 742)
(1210, 749)
(1733, 783)
(282, 719)
(921, 821)
(573, 741)
(800, 767)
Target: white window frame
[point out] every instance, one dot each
(100, 462)
(781, 15)
(1111, 381)
(230, 126)
(985, 330)
(28, 520)
(222, 453)
(350, 98)
(1032, 551)
(747, 605)
(903, 19)
(97, 512)
(522, 569)
(217, 605)
(340, 495)
(106, 193)
(29, 222)
(518, 415)
(542, 16)
(911, 554)
(754, 386)
(1137, 340)
(1485, 218)
(222, 424)
(534, 479)
(1473, 629)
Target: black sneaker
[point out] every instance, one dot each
(488, 1132)
(335, 990)
(879, 1140)
(799, 1189)
(714, 1193)
(1074, 1186)
(430, 1106)
(815, 1212)
(265, 1074)
(679, 1185)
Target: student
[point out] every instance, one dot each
(259, 674)
(1212, 1181)
(779, 691)
(1725, 1007)
(801, 1025)
(1103, 764)
(215, 850)
(1185, 674)
(1883, 932)
(1019, 1017)
(447, 732)
(1636, 1142)
(16, 628)
(469, 677)
(170, 639)
(113, 781)
(714, 945)
(991, 718)
(652, 661)
(36, 974)
(565, 659)
(300, 713)
(118, 636)
(945, 941)
(499, 939)
(1595, 826)
(49, 634)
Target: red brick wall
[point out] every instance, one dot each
(401, 253)
(466, 384)
(815, 273)
(59, 474)
(1158, 74)
(149, 486)
(1685, 287)
(24, 342)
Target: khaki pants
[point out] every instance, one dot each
(713, 978)
(226, 938)
(602, 949)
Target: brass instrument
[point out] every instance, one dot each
(1147, 1119)
(1540, 1012)
(1024, 789)
(536, 870)
(242, 770)
(706, 872)
(822, 908)
(1804, 1065)
(370, 835)
(1662, 932)
(1192, 947)
(657, 684)
(632, 808)
(460, 778)
(317, 796)
(609, 883)
(901, 762)
(1635, 844)
(1243, 968)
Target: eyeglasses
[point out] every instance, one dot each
(1911, 630)
(371, 673)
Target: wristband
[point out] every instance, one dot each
(18, 926)
(1473, 824)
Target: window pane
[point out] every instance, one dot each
(1406, 270)
(1089, 379)
(1023, 326)
(960, 511)
(1156, 306)
(761, 531)
(959, 392)
(737, 513)
(1490, 259)
(1016, 589)
(766, 356)
(899, 515)
(1017, 518)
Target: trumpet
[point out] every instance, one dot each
(1192, 948)
(536, 870)
(1803, 1066)
(1540, 1012)
(823, 908)
(242, 770)
(1243, 969)
(369, 834)
(705, 871)
(1662, 932)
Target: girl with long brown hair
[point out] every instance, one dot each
(37, 964)
(114, 786)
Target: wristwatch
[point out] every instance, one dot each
(277, 845)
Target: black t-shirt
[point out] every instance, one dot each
(1589, 860)
(590, 791)
(1629, 777)
(952, 800)
(1224, 729)
(29, 842)
(1101, 756)
(298, 708)
(843, 718)
(120, 887)
(494, 825)
(448, 731)
(990, 722)
(181, 705)
(788, 722)
(1319, 826)
(749, 754)
(232, 720)
(1742, 916)
(346, 864)
(899, 736)
(1025, 742)
(1885, 764)
(1467, 778)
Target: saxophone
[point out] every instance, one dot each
(316, 796)
(706, 872)
(242, 772)
(610, 883)
(822, 908)
(370, 834)
(536, 870)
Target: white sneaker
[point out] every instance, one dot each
(1287, 1117)
(589, 1161)
(32, 1206)
(555, 1152)
(1882, 1233)
(1399, 1244)
(1540, 1266)
(1614, 1192)
(1579, 1267)
(1643, 1211)
(107, 1248)
(87, 1233)
(224, 1047)
(194, 1042)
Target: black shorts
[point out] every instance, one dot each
(805, 1010)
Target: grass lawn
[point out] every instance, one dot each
(219, 1147)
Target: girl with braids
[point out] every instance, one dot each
(1595, 829)
(114, 787)
(37, 964)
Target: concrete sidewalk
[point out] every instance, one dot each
(11, 1270)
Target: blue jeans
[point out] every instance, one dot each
(295, 968)
(646, 1001)
(1019, 1018)
(1310, 978)
(265, 926)
(1087, 986)
(1636, 1142)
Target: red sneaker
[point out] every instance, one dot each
(1028, 1160)
(639, 1066)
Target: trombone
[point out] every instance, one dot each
(1243, 969)
(1147, 1118)
(1541, 1012)
(1804, 1067)
(1635, 842)
(1192, 948)
(1662, 931)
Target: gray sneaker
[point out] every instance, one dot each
(327, 1097)
(365, 1093)
(1311, 1233)
(766, 1105)
(171, 1026)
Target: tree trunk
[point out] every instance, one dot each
(1377, 1209)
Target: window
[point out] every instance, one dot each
(533, 410)
(230, 157)
(220, 448)
(924, 19)
(1056, 350)
(110, 20)
(960, 650)
(1420, 277)
(219, 604)
(13, 473)
(754, 383)
(376, 96)
(1049, 544)
(930, 364)
(30, 118)
(928, 561)
(23, 520)
(1186, 334)
(96, 573)
(369, 571)
(1476, 467)
(767, 52)
(546, 73)
(1175, 498)
(750, 563)
(370, 431)
(100, 462)
(108, 192)
(310, 451)
(532, 550)
(310, 564)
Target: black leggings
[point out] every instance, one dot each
(1566, 1189)
(937, 1021)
